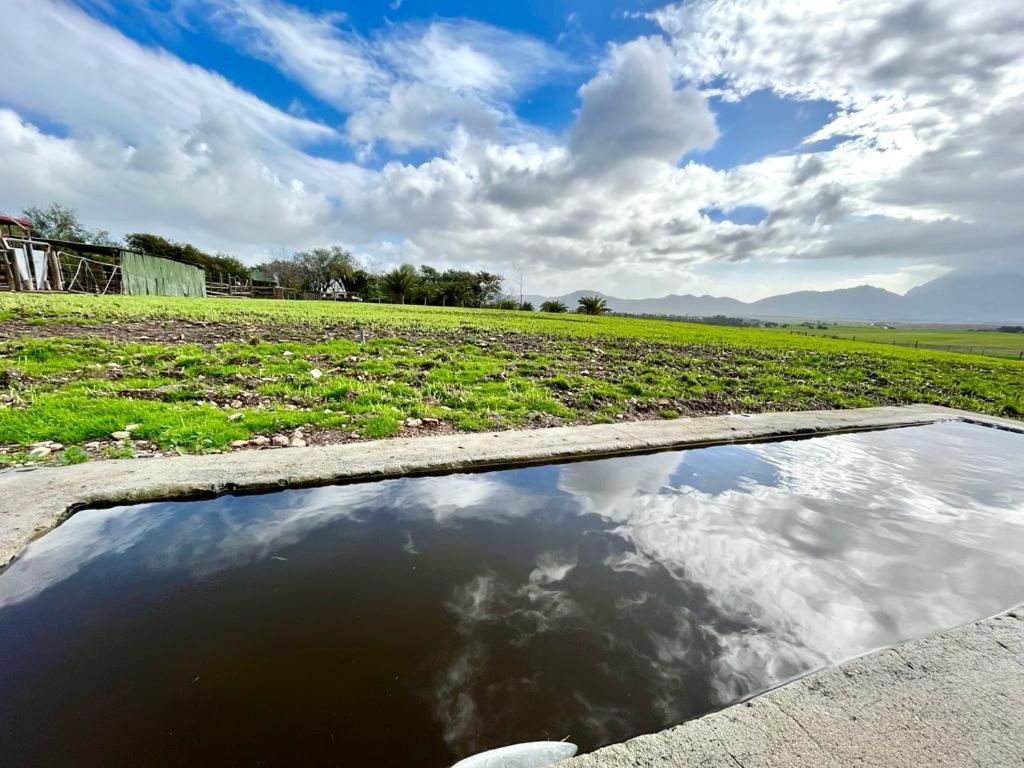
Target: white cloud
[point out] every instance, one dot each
(89, 77)
(409, 86)
(633, 111)
(207, 183)
(333, 63)
(848, 51)
(928, 89)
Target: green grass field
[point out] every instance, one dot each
(992, 343)
(197, 375)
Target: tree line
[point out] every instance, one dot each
(314, 270)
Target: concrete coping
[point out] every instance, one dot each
(35, 500)
(956, 698)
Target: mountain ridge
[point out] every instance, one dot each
(954, 298)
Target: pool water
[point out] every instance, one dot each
(413, 622)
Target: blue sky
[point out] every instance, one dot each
(717, 146)
(760, 124)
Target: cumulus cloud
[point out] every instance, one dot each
(633, 111)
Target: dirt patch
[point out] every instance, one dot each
(173, 331)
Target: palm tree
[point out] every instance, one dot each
(553, 306)
(592, 305)
(401, 281)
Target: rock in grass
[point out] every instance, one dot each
(297, 442)
(239, 443)
(411, 422)
(260, 440)
(316, 373)
(279, 440)
(132, 427)
(121, 435)
(236, 416)
(39, 452)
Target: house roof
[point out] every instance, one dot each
(263, 277)
(23, 223)
(107, 250)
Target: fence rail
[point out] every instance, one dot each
(966, 349)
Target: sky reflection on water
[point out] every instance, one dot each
(437, 616)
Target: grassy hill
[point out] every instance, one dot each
(196, 375)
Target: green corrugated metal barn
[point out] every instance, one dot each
(150, 276)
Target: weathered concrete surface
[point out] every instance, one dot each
(34, 501)
(954, 699)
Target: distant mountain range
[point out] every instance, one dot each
(954, 298)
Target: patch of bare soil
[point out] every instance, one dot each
(208, 334)
(174, 332)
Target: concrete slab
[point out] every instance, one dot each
(953, 699)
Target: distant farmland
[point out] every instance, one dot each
(993, 343)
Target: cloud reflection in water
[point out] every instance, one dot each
(602, 599)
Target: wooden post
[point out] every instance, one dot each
(7, 270)
(56, 278)
(19, 284)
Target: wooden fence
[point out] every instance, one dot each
(966, 349)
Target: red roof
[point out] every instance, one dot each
(24, 223)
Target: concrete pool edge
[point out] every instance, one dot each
(33, 501)
(956, 698)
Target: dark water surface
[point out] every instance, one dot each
(415, 621)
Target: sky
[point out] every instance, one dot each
(726, 147)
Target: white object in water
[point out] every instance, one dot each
(535, 754)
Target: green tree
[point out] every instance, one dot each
(401, 282)
(322, 265)
(60, 222)
(503, 302)
(553, 306)
(592, 305)
(526, 306)
(488, 286)
(457, 287)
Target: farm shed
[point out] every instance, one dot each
(143, 275)
(29, 263)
